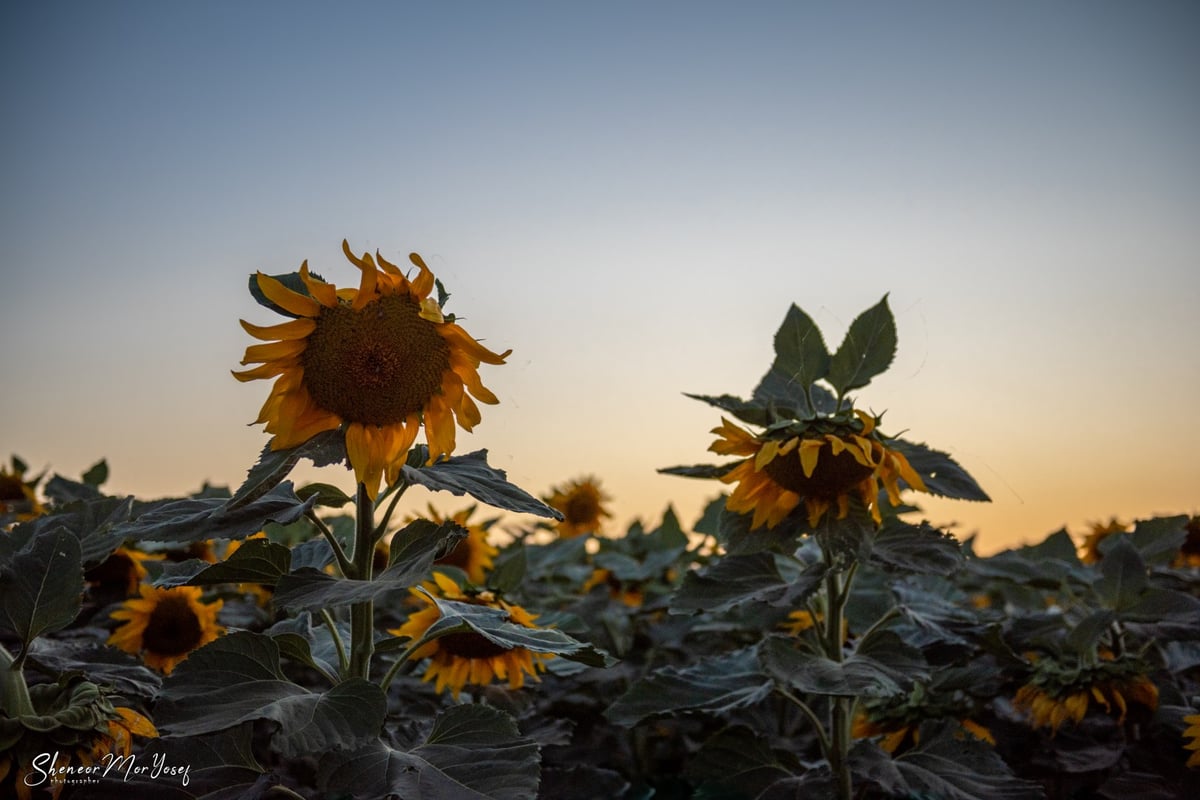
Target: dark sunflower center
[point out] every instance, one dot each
(11, 488)
(459, 557)
(375, 366)
(832, 476)
(582, 508)
(173, 628)
(117, 573)
(470, 645)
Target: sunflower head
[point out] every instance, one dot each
(18, 496)
(165, 625)
(1189, 551)
(120, 574)
(1192, 734)
(379, 361)
(473, 554)
(581, 502)
(1090, 549)
(1058, 693)
(822, 462)
(629, 593)
(467, 658)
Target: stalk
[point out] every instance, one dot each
(14, 698)
(362, 615)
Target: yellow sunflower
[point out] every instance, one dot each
(121, 572)
(1189, 551)
(459, 659)
(380, 360)
(1100, 531)
(1192, 732)
(473, 554)
(1050, 708)
(165, 625)
(17, 495)
(581, 503)
(819, 469)
(899, 735)
(627, 592)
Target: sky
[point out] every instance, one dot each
(630, 196)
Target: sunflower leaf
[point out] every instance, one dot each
(742, 761)
(882, 667)
(40, 587)
(183, 521)
(1122, 575)
(474, 752)
(714, 685)
(256, 561)
(738, 579)
(867, 350)
(915, 548)
(750, 412)
(237, 678)
(699, 470)
(946, 766)
(470, 474)
(941, 474)
(801, 358)
(324, 449)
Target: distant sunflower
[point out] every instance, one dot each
(628, 592)
(1112, 687)
(820, 469)
(459, 659)
(1192, 732)
(121, 573)
(1100, 531)
(899, 735)
(18, 496)
(581, 502)
(1189, 551)
(380, 360)
(473, 554)
(165, 625)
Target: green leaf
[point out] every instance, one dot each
(256, 561)
(185, 521)
(867, 350)
(324, 449)
(1157, 540)
(414, 549)
(707, 471)
(237, 678)
(291, 280)
(96, 474)
(952, 768)
(740, 759)
(801, 358)
(715, 685)
(63, 491)
(305, 643)
(737, 579)
(941, 474)
(470, 474)
(93, 523)
(1123, 575)
(915, 548)
(41, 586)
(326, 494)
(1084, 635)
(884, 669)
(509, 571)
(777, 391)
(474, 752)
(85, 655)
(1163, 614)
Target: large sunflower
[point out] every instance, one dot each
(381, 360)
(820, 468)
(473, 554)
(459, 659)
(581, 502)
(1053, 697)
(165, 625)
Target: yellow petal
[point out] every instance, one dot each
(293, 329)
(809, 448)
(324, 293)
(285, 298)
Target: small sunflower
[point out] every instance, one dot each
(121, 573)
(898, 735)
(165, 625)
(821, 467)
(628, 592)
(581, 503)
(1050, 704)
(459, 659)
(800, 621)
(380, 360)
(18, 496)
(1192, 732)
(473, 554)
(1189, 551)
(1100, 531)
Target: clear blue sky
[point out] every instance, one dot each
(629, 195)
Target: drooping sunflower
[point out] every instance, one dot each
(1053, 697)
(1192, 733)
(898, 734)
(823, 468)
(581, 503)
(18, 496)
(380, 360)
(165, 625)
(473, 554)
(1090, 549)
(468, 658)
(121, 573)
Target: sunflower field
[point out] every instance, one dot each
(807, 637)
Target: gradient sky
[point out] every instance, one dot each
(629, 195)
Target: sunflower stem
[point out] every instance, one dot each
(362, 615)
(339, 554)
(399, 487)
(822, 736)
(343, 660)
(400, 662)
(15, 699)
(837, 593)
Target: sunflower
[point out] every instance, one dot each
(18, 496)
(899, 735)
(1189, 551)
(628, 592)
(1100, 531)
(820, 468)
(262, 594)
(1049, 706)
(473, 554)
(459, 659)
(120, 573)
(581, 503)
(1192, 732)
(380, 360)
(165, 625)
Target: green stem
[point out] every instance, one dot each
(362, 615)
(822, 736)
(339, 554)
(838, 592)
(343, 660)
(15, 698)
(400, 662)
(399, 487)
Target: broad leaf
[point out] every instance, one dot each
(185, 521)
(470, 474)
(952, 768)
(714, 685)
(915, 548)
(474, 752)
(866, 673)
(738, 579)
(867, 350)
(328, 447)
(256, 561)
(801, 358)
(40, 587)
(1123, 575)
(739, 759)
(941, 474)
